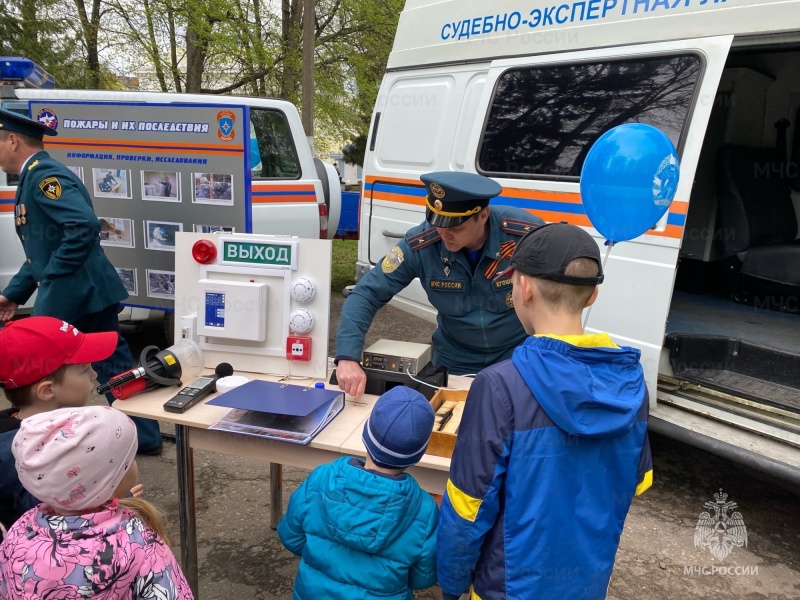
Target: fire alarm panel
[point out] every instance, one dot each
(233, 310)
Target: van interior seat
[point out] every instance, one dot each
(756, 217)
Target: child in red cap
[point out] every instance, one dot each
(45, 364)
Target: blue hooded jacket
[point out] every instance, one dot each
(551, 450)
(361, 535)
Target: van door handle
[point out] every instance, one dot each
(393, 234)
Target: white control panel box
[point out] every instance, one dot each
(233, 310)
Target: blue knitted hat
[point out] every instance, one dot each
(397, 432)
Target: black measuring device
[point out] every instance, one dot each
(197, 390)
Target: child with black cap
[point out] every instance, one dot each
(553, 442)
(365, 529)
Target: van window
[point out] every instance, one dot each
(272, 151)
(544, 119)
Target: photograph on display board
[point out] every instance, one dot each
(162, 186)
(78, 172)
(213, 188)
(111, 183)
(161, 284)
(116, 232)
(160, 235)
(128, 278)
(213, 229)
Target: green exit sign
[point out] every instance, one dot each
(269, 254)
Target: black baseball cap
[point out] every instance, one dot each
(546, 251)
(11, 121)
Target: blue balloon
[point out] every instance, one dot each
(629, 180)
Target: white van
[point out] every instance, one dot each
(293, 193)
(519, 91)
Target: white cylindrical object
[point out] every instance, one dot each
(189, 355)
(226, 384)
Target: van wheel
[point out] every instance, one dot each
(169, 327)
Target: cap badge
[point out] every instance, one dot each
(437, 204)
(437, 191)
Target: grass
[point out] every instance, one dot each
(343, 267)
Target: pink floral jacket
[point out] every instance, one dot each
(110, 555)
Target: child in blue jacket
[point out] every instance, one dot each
(364, 528)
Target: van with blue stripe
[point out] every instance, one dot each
(519, 91)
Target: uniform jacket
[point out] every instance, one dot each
(107, 555)
(551, 450)
(14, 499)
(361, 535)
(476, 322)
(60, 237)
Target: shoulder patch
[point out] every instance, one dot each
(392, 260)
(423, 239)
(517, 226)
(51, 187)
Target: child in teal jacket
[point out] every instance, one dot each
(365, 529)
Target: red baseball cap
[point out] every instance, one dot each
(33, 348)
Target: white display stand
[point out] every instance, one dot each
(253, 337)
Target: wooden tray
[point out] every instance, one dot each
(442, 444)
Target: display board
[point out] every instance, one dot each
(154, 170)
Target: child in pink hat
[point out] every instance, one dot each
(83, 541)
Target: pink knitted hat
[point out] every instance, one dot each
(74, 458)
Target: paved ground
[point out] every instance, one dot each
(241, 558)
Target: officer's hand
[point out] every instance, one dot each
(8, 309)
(351, 378)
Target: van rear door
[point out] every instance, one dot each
(542, 115)
(422, 122)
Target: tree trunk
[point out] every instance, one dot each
(308, 69)
(90, 26)
(195, 60)
(154, 53)
(173, 48)
(290, 49)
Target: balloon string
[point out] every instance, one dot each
(609, 245)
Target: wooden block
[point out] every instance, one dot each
(442, 444)
(455, 420)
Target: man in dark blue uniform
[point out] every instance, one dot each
(456, 253)
(64, 264)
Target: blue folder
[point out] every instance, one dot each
(276, 398)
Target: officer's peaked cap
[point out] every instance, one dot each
(453, 197)
(11, 121)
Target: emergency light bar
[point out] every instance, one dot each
(26, 72)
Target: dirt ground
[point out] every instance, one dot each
(240, 557)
